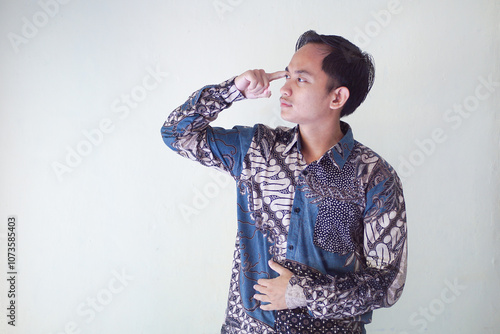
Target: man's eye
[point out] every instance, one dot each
(300, 80)
(287, 76)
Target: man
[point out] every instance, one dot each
(321, 237)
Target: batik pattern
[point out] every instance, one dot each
(237, 319)
(377, 242)
(353, 217)
(268, 179)
(184, 130)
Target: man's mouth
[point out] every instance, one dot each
(285, 103)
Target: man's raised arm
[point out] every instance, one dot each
(187, 130)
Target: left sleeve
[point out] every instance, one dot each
(381, 282)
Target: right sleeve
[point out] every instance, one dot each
(187, 130)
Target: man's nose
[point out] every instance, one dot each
(285, 90)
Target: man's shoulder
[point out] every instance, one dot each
(279, 134)
(365, 155)
(267, 139)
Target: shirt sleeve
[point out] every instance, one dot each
(294, 296)
(381, 280)
(187, 130)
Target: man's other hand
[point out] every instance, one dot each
(273, 291)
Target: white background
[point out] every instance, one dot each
(117, 234)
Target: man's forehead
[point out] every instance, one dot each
(307, 60)
(298, 71)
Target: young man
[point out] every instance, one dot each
(321, 237)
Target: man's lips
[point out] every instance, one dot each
(285, 103)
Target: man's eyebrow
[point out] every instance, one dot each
(299, 71)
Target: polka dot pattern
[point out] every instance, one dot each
(339, 215)
(298, 321)
(335, 226)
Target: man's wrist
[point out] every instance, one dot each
(294, 296)
(232, 94)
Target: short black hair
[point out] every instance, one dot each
(346, 65)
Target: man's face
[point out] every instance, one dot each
(304, 96)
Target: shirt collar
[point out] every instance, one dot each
(294, 140)
(341, 151)
(338, 153)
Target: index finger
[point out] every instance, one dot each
(263, 282)
(276, 75)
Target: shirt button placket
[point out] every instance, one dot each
(297, 211)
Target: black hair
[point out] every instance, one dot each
(346, 65)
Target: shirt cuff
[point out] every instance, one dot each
(294, 296)
(232, 94)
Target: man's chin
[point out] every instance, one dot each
(288, 118)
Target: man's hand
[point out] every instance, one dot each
(254, 84)
(273, 291)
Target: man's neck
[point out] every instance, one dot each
(316, 141)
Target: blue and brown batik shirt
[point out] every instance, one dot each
(338, 223)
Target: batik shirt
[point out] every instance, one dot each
(338, 223)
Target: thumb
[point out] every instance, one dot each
(276, 267)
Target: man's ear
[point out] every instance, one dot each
(339, 97)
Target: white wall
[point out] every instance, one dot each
(128, 207)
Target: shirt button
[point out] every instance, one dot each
(297, 210)
(290, 247)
